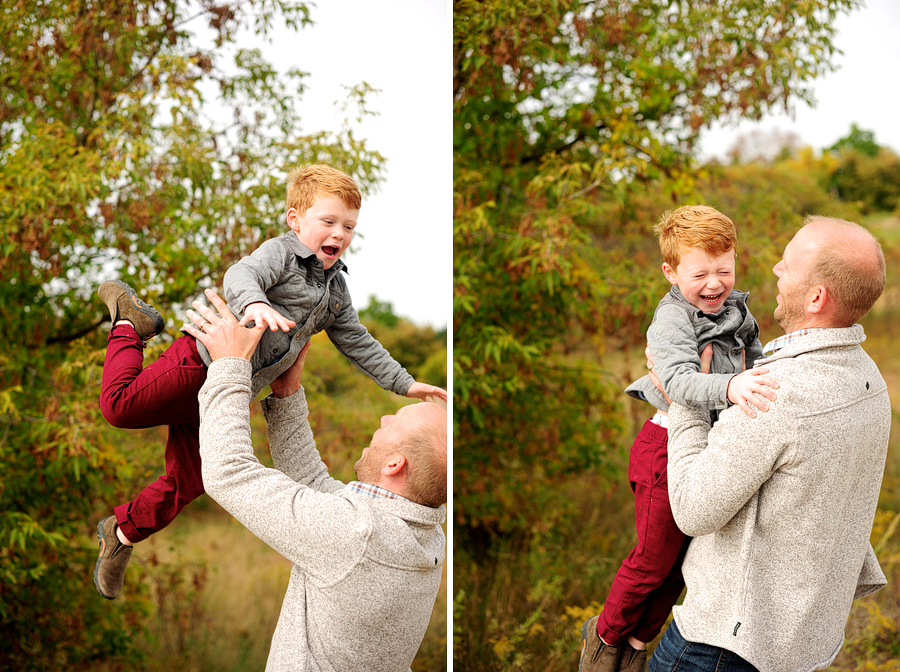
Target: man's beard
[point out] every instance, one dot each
(791, 311)
(365, 468)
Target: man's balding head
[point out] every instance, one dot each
(830, 275)
(418, 434)
(849, 262)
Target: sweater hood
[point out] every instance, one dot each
(406, 535)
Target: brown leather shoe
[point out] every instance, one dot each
(109, 572)
(632, 660)
(596, 656)
(123, 304)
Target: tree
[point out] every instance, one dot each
(858, 140)
(560, 106)
(114, 163)
(866, 173)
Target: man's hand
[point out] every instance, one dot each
(705, 365)
(263, 314)
(222, 334)
(742, 387)
(288, 383)
(423, 391)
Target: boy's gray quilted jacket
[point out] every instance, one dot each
(288, 276)
(676, 336)
(781, 506)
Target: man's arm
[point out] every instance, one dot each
(291, 439)
(714, 472)
(304, 525)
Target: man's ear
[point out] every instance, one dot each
(816, 299)
(394, 466)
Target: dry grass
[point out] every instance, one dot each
(221, 615)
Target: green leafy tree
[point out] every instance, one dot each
(112, 164)
(858, 140)
(866, 173)
(381, 312)
(560, 106)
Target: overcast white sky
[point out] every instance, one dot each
(404, 48)
(864, 90)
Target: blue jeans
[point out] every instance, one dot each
(674, 652)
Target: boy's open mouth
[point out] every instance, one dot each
(331, 250)
(711, 298)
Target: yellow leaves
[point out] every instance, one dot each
(877, 641)
(579, 614)
(502, 646)
(7, 405)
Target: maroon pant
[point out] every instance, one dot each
(649, 581)
(164, 393)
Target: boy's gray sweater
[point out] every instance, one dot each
(288, 276)
(676, 336)
(365, 571)
(781, 506)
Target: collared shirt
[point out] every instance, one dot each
(777, 344)
(372, 490)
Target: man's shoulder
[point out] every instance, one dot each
(823, 372)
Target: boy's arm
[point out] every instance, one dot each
(368, 355)
(247, 280)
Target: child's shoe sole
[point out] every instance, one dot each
(124, 304)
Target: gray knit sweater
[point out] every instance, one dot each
(781, 506)
(365, 571)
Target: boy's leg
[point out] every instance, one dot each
(154, 508)
(157, 505)
(660, 542)
(163, 393)
(660, 602)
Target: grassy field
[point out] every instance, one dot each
(218, 611)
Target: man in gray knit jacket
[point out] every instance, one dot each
(781, 506)
(367, 556)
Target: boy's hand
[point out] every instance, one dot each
(741, 390)
(288, 383)
(423, 391)
(264, 315)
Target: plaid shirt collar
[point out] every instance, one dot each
(372, 491)
(777, 344)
